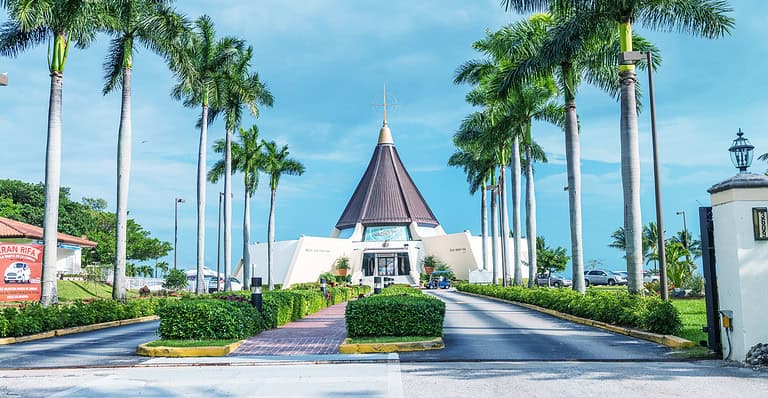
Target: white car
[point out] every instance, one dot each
(649, 277)
(17, 272)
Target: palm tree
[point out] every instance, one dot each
(764, 158)
(239, 89)
(198, 61)
(276, 163)
(155, 25)
(60, 24)
(686, 239)
(651, 245)
(479, 169)
(246, 158)
(563, 43)
(533, 153)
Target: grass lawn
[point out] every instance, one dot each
(605, 288)
(390, 339)
(190, 343)
(693, 315)
(82, 290)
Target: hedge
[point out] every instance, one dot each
(209, 319)
(34, 318)
(395, 290)
(395, 315)
(618, 308)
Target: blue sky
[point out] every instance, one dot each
(326, 63)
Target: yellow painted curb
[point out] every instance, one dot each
(368, 348)
(663, 339)
(177, 352)
(76, 329)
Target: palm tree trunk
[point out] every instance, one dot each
(484, 225)
(516, 188)
(50, 294)
(494, 235)
(123, 180)
(270, 238)
(530, 217)
(246, 236)
(630, 168)
(200, 287)
(227, 207)
(504, 225)
(573, 166)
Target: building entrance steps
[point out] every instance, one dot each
(318, 333)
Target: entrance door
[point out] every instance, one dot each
(386, 265)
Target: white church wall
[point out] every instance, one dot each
(314, 256)
(281, 260)
(456, 250)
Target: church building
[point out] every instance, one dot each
(386, 229)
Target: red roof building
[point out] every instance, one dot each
(11, 229)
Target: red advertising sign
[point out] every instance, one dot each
(22, 268)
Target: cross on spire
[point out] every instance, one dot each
(385, 105)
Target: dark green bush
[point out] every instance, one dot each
(208, 319)
(399, 315)
(34, 318)
(619, 308)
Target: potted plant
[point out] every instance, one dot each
(430, 263)
(342, 265)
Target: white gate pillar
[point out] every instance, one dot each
(740, 219)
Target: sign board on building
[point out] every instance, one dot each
(22, 268)
(760, 222)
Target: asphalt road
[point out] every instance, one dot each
(105, 347)
(481, 329)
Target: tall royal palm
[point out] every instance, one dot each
(478, 167)
(246, 158)
(60, 24)
(239, 90)
(152, 24)
(276, 163)
(197, 61)
(566, 45)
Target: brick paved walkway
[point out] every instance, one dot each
(319, 333)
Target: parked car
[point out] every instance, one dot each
(649, 277)
(555, 280)
(603, 277)
(17, 272)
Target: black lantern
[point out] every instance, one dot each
(741, 152)
(376, 285)
(322, 284)
(256, 299)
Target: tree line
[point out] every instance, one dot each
(25, 202)
(531, 70)
(213, 74)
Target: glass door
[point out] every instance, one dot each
(386, 265)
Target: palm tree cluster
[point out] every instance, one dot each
(212, 73)
(571, 42)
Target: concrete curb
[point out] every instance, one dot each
(663, 339)
(178, 352)
(373, 348)
(76, 329)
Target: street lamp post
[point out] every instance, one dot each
(176, 227)
(628, 58)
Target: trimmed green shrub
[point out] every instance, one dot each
(208, 319)
(395, 315)
(397, 290)
(618, 308)
(34, 318)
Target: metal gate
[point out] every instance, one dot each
(710, 279)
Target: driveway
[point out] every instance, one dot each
(481, 329)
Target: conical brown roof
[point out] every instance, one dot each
(386, 194)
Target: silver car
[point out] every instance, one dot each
(555, 280)
(603, 277)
